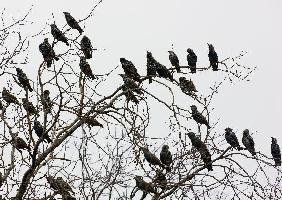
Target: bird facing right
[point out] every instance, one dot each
(275, 152)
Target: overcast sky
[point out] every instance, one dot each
(127, 28)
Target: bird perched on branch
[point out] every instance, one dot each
(20, 144)
(130, 70)
(192, 60)
(38, 129)
(91, 121)
(275, 152)
(72, 22)
(1, 105)
(165, 155)
(160, 179)
(85, 68)
(58, 34)
(86, 47)
(213, 58)
(8, 97)
(46, 101)
(65, 187)
(144, 186)
(196, 141)
(232, 139)
(23, 80)
(47, 52)
(174, 60)
(129, 95)
(198, 117)
(151, 158)
(28, 106)
(248, 142)
(151, 68)
(130, 84)
(163, 72)
(187, 86)
(53, 183)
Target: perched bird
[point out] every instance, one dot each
(187, 86)
(58, 34)
(206, 157)
(64, 185)
(129, 95)
(1, 105)
(8, 97)
(20, 144)
(196, 141)
(72, 22)
(151, 68)
(130, 70)
(232, 139)
(38, 129)
(174, 60)
(129, 84)
(1, 179)
(46, 101)
(23, 80)
(86, 47)
(248, 142)
(85, 68)
(192, 60)
(165, 155)
(28, 106)
(53, 183)
(160, 179)
(150, 157)
(163, 72)
(144, 186)
(275, 152)
(91, 121)
(198, 117)
(213, 58)
(47, 52)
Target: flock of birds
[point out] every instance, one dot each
(132, 81)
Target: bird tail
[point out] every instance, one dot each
(240, 148)
(67, 43)
(88, 54)
(80, 30)
(48, 139)
(215, 67)
(253, 153)
(178, 69)
(209, 167)
(56, 58)
(93, 77)
(49, 63)
(277, 162)
(29, 88)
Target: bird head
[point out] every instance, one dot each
(4, 89)
(228, 130)
(123, 75)
(193, 108)
(46, 92)
(211, 48)
(24, 100)
(122, 60)
(66, 13)
(191, 135)
(189, 50)
(165, 147)
(149, 54)
(46, 40)
(273, 140)
(19, 70)
(138, 178)
(170, 52)
(246, 132)
(182, 79)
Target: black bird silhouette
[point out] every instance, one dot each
(58, 34)
(213, 58)
(151, 68)
(192, 60)
(91, 121)
(248, 142)
(85, 68)
(275, 152)
(160, 179)
(232, 139)
(198, 117)
(150, 157)
(64, 186)
(72, 22)
(47, 52)
(174, 60)
(46, 101)
(8, 97)
(163, 72)
(130, 70)
(187, 86)
(23, 80)
(165, 155)
(28, 106)
(86, 47)
(38, 129)
(129, 84)
(20, 144)
(144, 186)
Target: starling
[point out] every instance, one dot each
(91, 121)
(144, 186)
(53, 183)
(275, 152)
(64, 185)
(163, 72)
(187, 86)
(129, 84)
(192, 60)
(58, 34)
(28, 106)
(213, 58)
(174, 60)
(1, 105)
(129, 95)
(232, 139)
(1, 179)
(23, 80)
(38, 128)
(160, 179)
(20, 144)
(151, 68)
(8, 97)
(46, 101)
(248, 142)
(72, 22)
(198, 117)
(86, 47)
(206, 157)
(130, 70)
(47, 52)
(165, 155)
(150, 157)
(196, 141)
(85, 68)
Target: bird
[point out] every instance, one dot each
(130, 70)
(85, 68)
(91, 121)
(46, 101)
(38, 129)
(160, 179)
(165, 155)
(196, 141)
(58, 34)
(187, 86)
(28, 106)
(198, 117)
(129, 84)
(64, 185)
(151, 68)
(192, 60)
(174, 60)
(163, 72)
(23, 80)
(20, 144)
(275, 151)
(8, 97)
(53, 183)
(72, 22)
(232, 139)
(47, 52)
(144, 186)
(248, 142)
(129, 95)
(213, 58)
(206, 157)
(1, 105)
(86, 47)
(150, 157)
